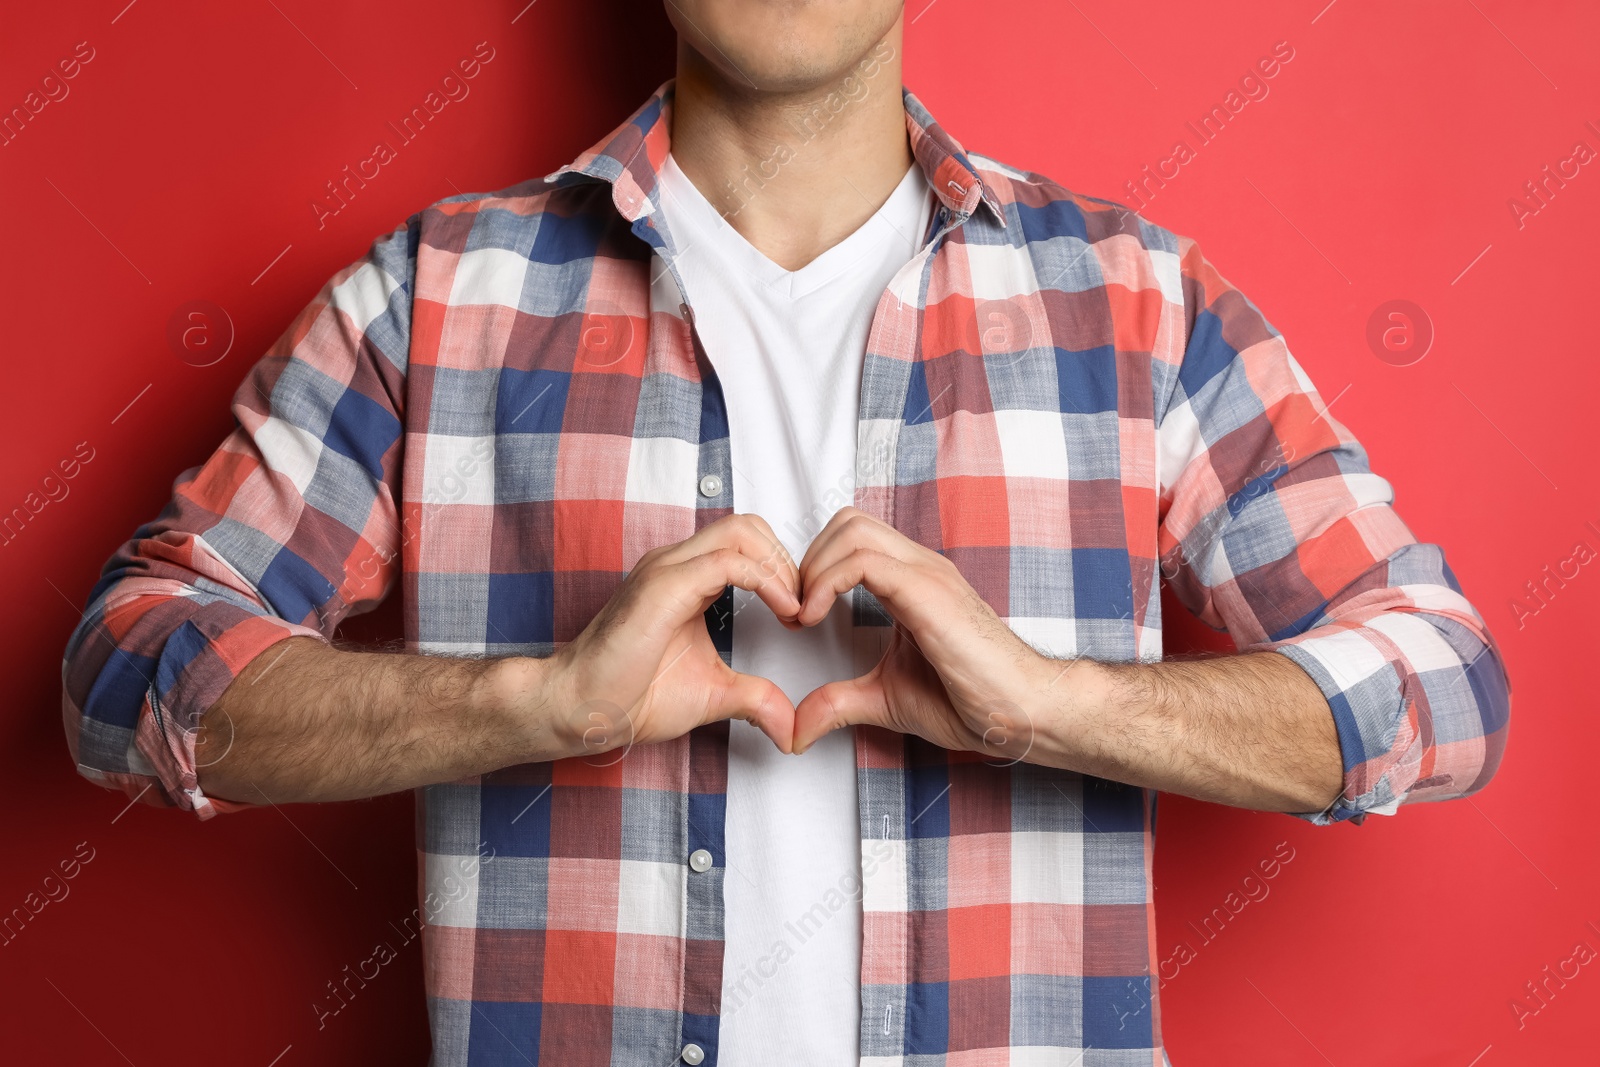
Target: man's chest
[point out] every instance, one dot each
(551, 440)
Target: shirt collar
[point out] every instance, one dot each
(630, 157)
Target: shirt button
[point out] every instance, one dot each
(711, 485)
(700, 860)
(693, 1053)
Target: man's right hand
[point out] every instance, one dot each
(645, 670)
(305, 721)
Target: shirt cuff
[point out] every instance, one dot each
(1372, 675)
(197, 664)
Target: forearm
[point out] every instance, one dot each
(1251, 731)
(305, 721)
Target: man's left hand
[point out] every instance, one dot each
(953, 673)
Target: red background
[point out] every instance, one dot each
(1379, 167)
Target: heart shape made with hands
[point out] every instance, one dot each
(953, 673)
(646, 670)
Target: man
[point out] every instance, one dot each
(780, 497)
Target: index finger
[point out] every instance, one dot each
(750, 536)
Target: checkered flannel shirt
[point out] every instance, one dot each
(504, 404)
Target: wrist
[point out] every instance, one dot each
(520, 694)
(1077, 701)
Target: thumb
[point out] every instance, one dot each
(759, 702)
(854, 702)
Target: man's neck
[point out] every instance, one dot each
(793, 173)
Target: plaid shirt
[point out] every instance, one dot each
(504, 404)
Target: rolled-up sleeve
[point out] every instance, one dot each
(286, 529)
(1274, 528)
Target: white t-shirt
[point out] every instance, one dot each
(788, 347)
